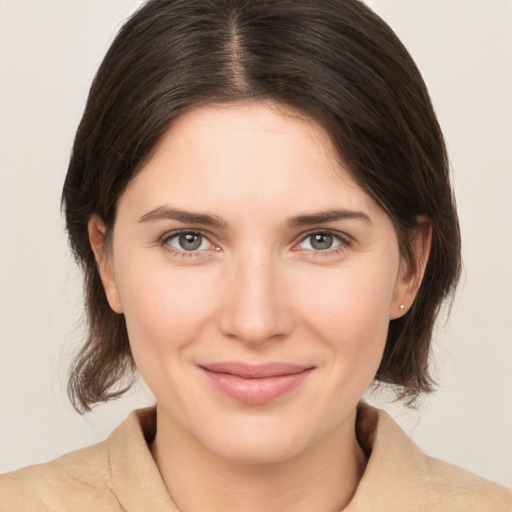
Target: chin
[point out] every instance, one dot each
(259, 453)
(257, 443)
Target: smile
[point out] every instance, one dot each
(255, 384)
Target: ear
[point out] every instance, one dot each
(410, 275)
(103, 254)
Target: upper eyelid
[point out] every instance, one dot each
(171, 234)
(343, 237)
(338, 234)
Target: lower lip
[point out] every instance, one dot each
(256, 391)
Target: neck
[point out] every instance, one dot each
(323, 478)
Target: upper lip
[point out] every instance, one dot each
(255, 371)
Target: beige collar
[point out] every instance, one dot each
(397, 478)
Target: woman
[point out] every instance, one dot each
(260, 201)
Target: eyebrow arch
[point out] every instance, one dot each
(327, 216)
(165, 213)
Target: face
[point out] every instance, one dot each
(257, 280)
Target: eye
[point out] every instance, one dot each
(188, 241)
(323, 241)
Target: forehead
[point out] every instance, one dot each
(256, 155)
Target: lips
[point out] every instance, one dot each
(255, 384)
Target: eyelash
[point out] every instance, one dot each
(164, 242)
(344, 242)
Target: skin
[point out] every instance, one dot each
(257, 290)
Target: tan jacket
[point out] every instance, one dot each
(119, 474)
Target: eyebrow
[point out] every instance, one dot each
(323, 217)
(164, 213)
(327, 216)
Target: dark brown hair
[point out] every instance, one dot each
(333, 60)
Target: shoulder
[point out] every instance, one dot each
(115, 475)
(99, 477)
(79, 480)
(463, 489)
(400, 477)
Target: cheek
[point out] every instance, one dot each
(353, 299)
(165, 313)
(164, 310)
(351, 317)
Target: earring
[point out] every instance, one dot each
(402, 307)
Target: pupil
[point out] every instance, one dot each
(189, 242)
(322, 241)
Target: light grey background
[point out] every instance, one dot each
(49, 52)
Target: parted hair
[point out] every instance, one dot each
(332, 60)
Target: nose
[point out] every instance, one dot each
(256, 308)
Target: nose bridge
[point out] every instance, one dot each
(256, 308)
